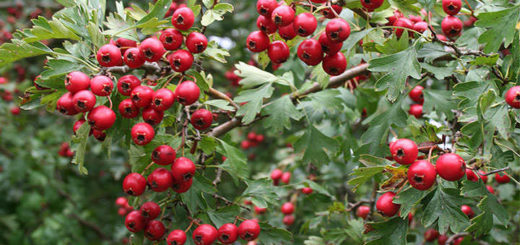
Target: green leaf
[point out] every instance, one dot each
(18, 49)
(80, 146)
(236, 163)
(364, 174)
(408, 198)
(261, 192)
(390, 232)
(316, 104)
(271, 235)
(444, 207)
(315, 186)
(58, 69)
(216, 14)
(438, 72)
(439, 101)
(315, 145)
(280, 113)
(208, 144)
(213, 51)
(254, 99)
(44, 29)
(252, 76)
(482, 60)
(500, 27)
(223, 215)
(221, 104)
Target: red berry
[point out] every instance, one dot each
(101, 85)
(152, 116)
(421, 175)
(467, 211)
(15, 110)
(171, 39)
(442, 37)
(266, 25)
(227, 233)
(183, 18)
(328, 46)
(249, 230)
(163, 99)
(287, 32)
(77, 81)
(154, 230)
(183, 169)
(152, 49)
(482, 175)
(451, 7)
(288, 220)
(257, 41)
(309, 51)
(101, 118)
(160, 180)
(502, 178)
(286, 177)
(278, 52)
(307, 190)
(276, 174)
(490, 189)
(266, 7)
(77, 125)
(334, 64)
(133, 58)
(134, 221)
(337, 30)
(329, 13)
(65, 105)
(245, 144)
(451, 26)
(305, 24)
(259, 210)
(99, 135)
(471, 176)
(3, 80)
(430, 235)
(142, 96)
(442, 239)
(196, 42)
(513, 97)
(127, 109)
(127, 83)
(204, 234)
(187, 92)
(416, 94)
(404, 151)
(451, 167)
(134, 184)
(386, 206)
(125, 44)
(287, 208)
(201, 119)
(402, 22)
(362, 211)
(109, 55)
(182, 186)
(180, 60)
(164, 155)
(121, 201)
(416, 110)
(142, 133)
(420, 26)
(176, 237)
(150, 210)
(371, 5)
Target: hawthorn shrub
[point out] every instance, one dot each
(260, 122)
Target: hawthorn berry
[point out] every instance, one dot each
(249, 230)
(513, 97)
(467, 211)
(99, 135)
(101, 118)
(133, 58)
(180, 60)
(441, 240)
(101, 85)
(363, 211)
(187, 92)
(171, 39)
(337, 30)
(451, 7)
(371, 5)
(451, 26)
(334, 64)
(205, 234)
(416, 110)
(420, 26)
(278, 52)
(327, 46)
(152, 49)
(182, 186)
(65, 105)
(307, 190)
(430, 235)
(127, 83)
(266, 7)
(421, 175)
(134, 221)
(77, 81)
(332, 12)
(287, 208)
(164, 155)
(121, 201)
(201, 119)
(154, 230)
(163, 99)
(386, 206)
(257, 41)
(142, 96)
(282, 15)
(152, 116)
(196, 42)
(276, 175)
(142, 133)
(416, 94)
(471, 176)
(502, 178)
(286, 177)
(404, 151)
(176, 237)
(288, 220)
(183, 169)
(160, 180)
(77, 125)
(109, 55)
(309, 51)
(450, 166)
(125, 44)
(227, 233)
(287, 32)
(404, 23)
(259, 210)
(490, 189)
(266, 25)
(183, 18)
(305, 24)
(482, 176)
(150, 210)
(15, 110)
(127, 109)
(134, 184)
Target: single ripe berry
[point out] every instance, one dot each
(154, 230)
(227, 233)
(101, 85)
(420, 26)
(421, 175)
(257, 41)
(134, 184)
(362, 211)
(416, 94)
(490, 189)
(78, 125)
(450, 167)
(164, 155)
(142, 96)
(109, 55)
(471, 176)
(332, 12)
(176, 237)
(282, 15)
(125, 44)
(121, 201)
(442, 239)
(482, 176)
(127, 83)
(127, 109)
(309, 51)
(276, 175)
(77, 81)
(416, 110)
(467, 211)
(201, 119)
(187, 92)
(160, 180)
(288, 220)
(180, 60)
(305, 24)
(286, 177)
(249, 230)
(451, 7)
(266, 25)
(150, 210)
(386, 206)
(163, 99)
(204, 234)
(15, 110)
(451, 26)
(327, 46)
(278, 52)
(334, 64)
(183, 169)
(430, 235)
(266, 7)
(307, 190)
(142, 133)
(337, 30)
(101, 118)
(371, 5)
(287, 32)
(171, 39)
(259, 210)
(134, 58)
(152, 49)
(152, 116)
(183, 18)
(404, 151)
(65, 105)
(134, 221)
(84, 101)
(287, 208)
(196, 42)
(513, 97)
(502, 178)
(182, 186)
(402, 22)
(416, 18)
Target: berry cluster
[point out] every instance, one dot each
(451, 25)
(65, 150)
(416, 95)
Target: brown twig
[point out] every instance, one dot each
(220, 95)
(228, 202)
(452, 238)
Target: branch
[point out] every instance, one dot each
(150, 67)
(228, 202)
(452, 238)
(220, 95)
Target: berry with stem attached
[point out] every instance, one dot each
(422, 175)
(451, 167)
